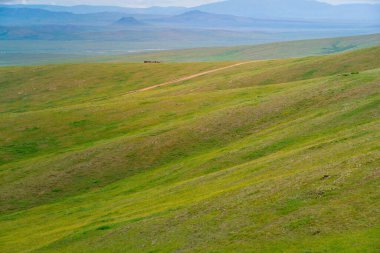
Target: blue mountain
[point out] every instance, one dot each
(295, 9)
(89, 9)
(128, 21)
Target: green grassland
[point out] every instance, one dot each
(271, 156)
(277, 50)
(55, 52)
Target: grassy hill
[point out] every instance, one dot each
(48, 52)
(260, 52)
(270, 156)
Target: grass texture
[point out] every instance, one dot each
(270, 156)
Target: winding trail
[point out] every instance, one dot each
(188, 77)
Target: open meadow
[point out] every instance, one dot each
(267, 156)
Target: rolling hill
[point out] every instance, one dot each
(72, 51)
(255, 52)
(267, 156)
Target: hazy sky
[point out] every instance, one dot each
(146, 3)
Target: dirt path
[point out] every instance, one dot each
(188, 77)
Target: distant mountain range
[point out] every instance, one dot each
(29, 16)
(231, 22)
(196, 18)
(88, 9)
(295, 9)
(201, 19)
(14, 16)
(259, 9)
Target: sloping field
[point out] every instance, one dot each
(277, 50)
(268, 156)
(43, 52)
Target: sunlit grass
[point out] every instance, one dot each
(265, 157)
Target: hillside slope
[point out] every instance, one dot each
(269, 156)
(258, 52)
(79, 51)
